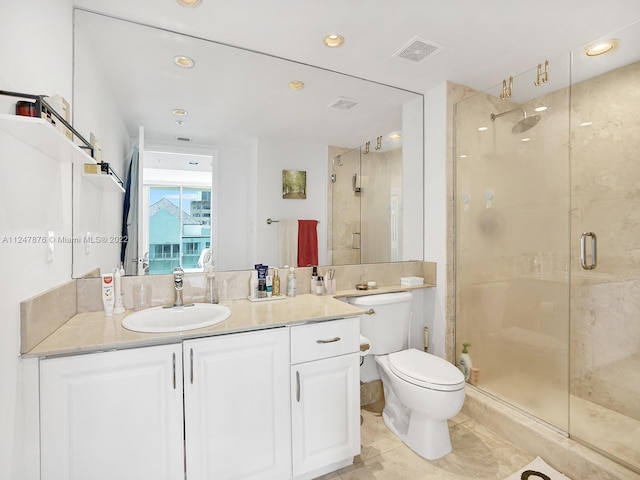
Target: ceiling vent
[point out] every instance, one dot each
(418, 49)
(343, 103)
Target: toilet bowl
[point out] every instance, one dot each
(422, 391)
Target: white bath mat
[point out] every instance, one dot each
(537, 470)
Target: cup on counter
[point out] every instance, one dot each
(330, 286)
(141, 296)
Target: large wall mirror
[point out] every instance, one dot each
(212, 177)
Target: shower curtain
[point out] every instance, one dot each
(130, 217)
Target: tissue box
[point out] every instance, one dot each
(411, 281)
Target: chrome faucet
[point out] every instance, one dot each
(178, 277)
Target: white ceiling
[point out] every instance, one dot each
(483, 42)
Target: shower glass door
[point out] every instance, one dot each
(605, 311)
(345, 234)
(366, 202)
(512, 204)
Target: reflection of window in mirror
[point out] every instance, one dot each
(179, 226)
(178, 212)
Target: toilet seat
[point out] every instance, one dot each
(426, 370)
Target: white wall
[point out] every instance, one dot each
(273, 157)
(35, 197)
(234, 213)
(435, 205)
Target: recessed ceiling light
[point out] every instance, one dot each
(180, 112)
(483, 129)
(189, 3)
(601, 48)
(184, 62)
(394, 136)
(526, 139)
(463, 156)
(586, 124)
(333, 41)
(542, 108)
(296, 85)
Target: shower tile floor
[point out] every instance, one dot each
(478, 454)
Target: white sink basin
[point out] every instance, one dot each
(176, 319)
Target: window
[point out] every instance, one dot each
(179, 227)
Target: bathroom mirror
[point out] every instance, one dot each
(244, 111)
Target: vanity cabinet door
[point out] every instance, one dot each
(113, 415)
(237, 411)
(325, 412)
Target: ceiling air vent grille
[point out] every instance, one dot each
(343, 103)
(418, 49)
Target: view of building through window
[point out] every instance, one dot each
(179, 228)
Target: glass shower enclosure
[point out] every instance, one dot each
(366, 202)
(547, 249)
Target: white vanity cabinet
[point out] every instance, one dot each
(325, 396)
(237, 411)
(271, 404)
(112, 415)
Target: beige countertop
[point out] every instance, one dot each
(93, 332)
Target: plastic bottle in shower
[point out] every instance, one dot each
(292, 285)
(464, 362)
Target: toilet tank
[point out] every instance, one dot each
(387, 323)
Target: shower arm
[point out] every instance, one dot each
(496, 115)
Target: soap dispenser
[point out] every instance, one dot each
(464, 362)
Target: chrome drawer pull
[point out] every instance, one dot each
(298, 386)
(174, 371)
(336, 339)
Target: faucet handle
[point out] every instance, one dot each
(178, 271)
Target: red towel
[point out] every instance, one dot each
(307, 243)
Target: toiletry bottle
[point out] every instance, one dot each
(464, 362)
(108, 294)
(276, 283)
(269, 282)
(291, 283)
(319, 286)
(118, 305)
(253, 285)
(314, 281)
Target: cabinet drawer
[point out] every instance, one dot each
(324, 340)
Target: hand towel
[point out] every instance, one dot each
(307, 243)
(288, 242)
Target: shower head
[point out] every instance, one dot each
(523, 125)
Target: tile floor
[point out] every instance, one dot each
(478, 454)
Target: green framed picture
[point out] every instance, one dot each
(294, 184)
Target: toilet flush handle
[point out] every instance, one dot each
(371, 311)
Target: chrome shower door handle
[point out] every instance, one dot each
(583, 251)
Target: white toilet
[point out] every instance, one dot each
(422, 391)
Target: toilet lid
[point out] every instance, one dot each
(426, 370)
